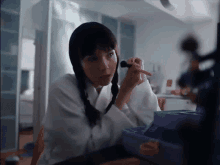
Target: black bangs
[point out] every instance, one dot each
(98, 39)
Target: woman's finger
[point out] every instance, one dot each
(138, 68)
(145, 72)
(138, 61)
(130, 61)
(135, 60)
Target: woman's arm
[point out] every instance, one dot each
(39, 147)
(143, 103)
(123, 98)
(138, 94)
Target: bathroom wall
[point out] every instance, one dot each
(66, 17)
(158, 41)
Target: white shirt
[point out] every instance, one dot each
(66, 130)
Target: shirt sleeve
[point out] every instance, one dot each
(143, 103)
(67, 129)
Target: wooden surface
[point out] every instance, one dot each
(25, 137)
(115, 155)
(128, 161)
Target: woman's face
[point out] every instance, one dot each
(100, 67)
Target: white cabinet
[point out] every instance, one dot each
(10, 74)
(177, 103)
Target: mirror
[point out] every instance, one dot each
(28, 50)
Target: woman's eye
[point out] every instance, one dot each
(91, 59)
(111, 54)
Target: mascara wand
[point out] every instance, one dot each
(125, 64)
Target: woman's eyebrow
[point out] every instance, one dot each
(89, 56)
(111, 50)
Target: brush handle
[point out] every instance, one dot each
(124, 64)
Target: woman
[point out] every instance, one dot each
(87, 111)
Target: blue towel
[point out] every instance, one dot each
(29, 147)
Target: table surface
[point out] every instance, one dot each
(171, 96)
(103, 156)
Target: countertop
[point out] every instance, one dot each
(171, 96)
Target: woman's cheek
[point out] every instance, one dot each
(114, 58)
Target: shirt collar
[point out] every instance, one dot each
(99, 101)
(92, 93)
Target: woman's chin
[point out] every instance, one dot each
(105, 82)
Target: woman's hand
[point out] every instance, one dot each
(135, 74)
(39, 147)
(134, 77)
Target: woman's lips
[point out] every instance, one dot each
(105, 76)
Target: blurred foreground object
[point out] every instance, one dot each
(128, 161)
(149, 148)
(203, 88)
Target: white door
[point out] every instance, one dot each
(42, 62)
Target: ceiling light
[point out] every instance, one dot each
(166, 4)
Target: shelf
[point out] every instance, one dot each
(9, 62)
(8, 71)
(10, 11)
(8, 117)
(9, 81)
(8, 92)
(8, 53)
(10, 40)
(9, 31)
(171, 96)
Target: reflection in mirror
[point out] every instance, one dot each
(27, 78)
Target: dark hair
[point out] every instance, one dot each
(84, 41)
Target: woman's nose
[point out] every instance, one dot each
(104, 64)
